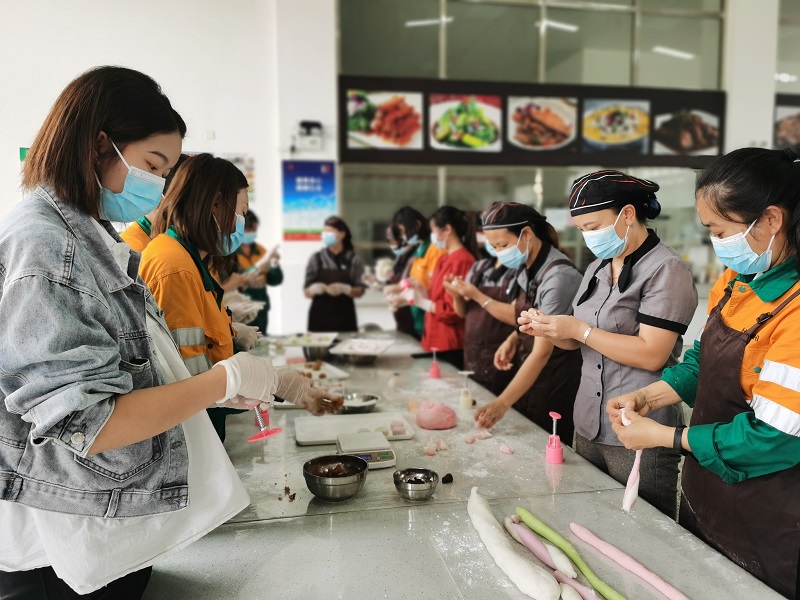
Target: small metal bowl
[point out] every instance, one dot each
(335, 477)
(359, 359)
(359, 403)
(416, 483)
(316, 352)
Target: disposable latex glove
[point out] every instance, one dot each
(246, 336)
(244, 312)
(317, 288)
(294, 387)
(274, 257)
(414, 298)
(339, 289)
(249, 378)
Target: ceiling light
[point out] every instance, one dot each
(560, 25)
(666, 51)
(426, 22)
(785, 77)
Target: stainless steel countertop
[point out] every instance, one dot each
(378, 545)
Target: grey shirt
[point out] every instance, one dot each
(658, 290)
(347, 261)
(557, 289)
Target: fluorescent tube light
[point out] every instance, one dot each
(785, 77)
(666, 51)
(561, 25)
(426, 22)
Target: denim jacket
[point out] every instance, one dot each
(73, 336)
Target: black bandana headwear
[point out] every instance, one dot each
(613, 189)
(505, 215)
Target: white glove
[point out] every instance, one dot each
(244, 312)
(250, 378)
(414, 298)
(274, 256)
(294, 387)
(317, 288)
(246, 336)
(339, 289)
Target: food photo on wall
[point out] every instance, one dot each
(538, 123)
(465, 122)
(616, 126)
(384, 120)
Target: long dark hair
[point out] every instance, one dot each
(463, 224)
(198, 182)
(742, 184)
(338, 223)
(413, 222)
(125, 104)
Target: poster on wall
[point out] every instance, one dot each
(541, 124)
(444, 121)
(616, 126)
(465, 122)
(309, 197)
(384, 120)
(247, 165)
(787, 120)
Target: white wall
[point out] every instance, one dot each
(242, 73)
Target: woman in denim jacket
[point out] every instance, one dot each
(89, 436)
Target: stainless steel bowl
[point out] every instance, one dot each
(335, 477)
(316, 352)
(355, 403)
(359, 359)
(416, 483)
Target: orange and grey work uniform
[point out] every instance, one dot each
(191, 300)
(137, 235)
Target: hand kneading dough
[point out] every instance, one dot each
(434, 415)
(532, 580)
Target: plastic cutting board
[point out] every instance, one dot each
(313, 431)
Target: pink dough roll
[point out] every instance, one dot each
(625, 561)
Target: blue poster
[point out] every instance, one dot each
(309, 197)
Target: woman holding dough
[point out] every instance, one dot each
(741, 479)
(634, 304)
(333, 280)
(548, 377)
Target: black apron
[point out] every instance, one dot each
(755, 523)
(557, 385)
(403, 316)
(483, 335)
(332, 313)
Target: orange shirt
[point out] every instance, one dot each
(136, 237)
(423, 266)
(200, 326)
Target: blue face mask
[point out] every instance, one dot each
(605, 243)
(329, 239)
(413, 240)
(230, 242)
(440, 244)
(249, 237)
(490, 249)
(513, 257)
(399, 251)
(735, 253)
(139, 196)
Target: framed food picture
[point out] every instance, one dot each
(466, 123)
(384, 120)
(540, 123)
(686, 132)
(616, 126)
(787, 126)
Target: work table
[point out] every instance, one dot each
(378, 545)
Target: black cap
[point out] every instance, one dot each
(612, 189)
(503, 215)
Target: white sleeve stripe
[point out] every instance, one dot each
(779, 417)
(784, 375)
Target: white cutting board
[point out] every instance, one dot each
(312, 431)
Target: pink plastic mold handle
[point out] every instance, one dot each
(264, 434)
